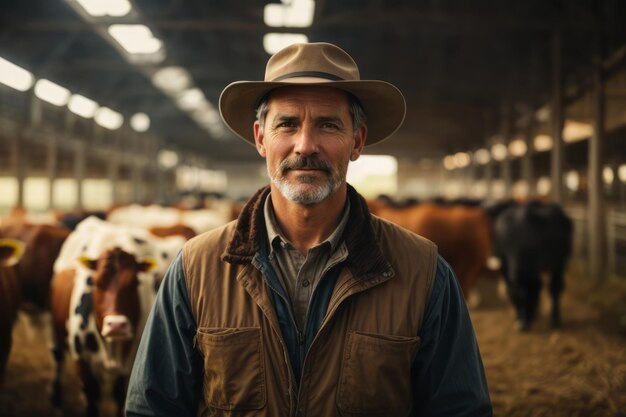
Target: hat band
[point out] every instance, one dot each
(315, 74)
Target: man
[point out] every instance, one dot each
(307, 305)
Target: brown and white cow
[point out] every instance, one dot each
(105, 284)
(462, 234)
(35, 270)
(10, 253)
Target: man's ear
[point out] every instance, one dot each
(359, 143)
(259, 138)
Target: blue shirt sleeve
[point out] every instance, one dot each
(165, 378)
(448, 370)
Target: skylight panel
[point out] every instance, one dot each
(135, 39)
(51, 92)
(14, 76)
(82, 106)
(140, 122)
(274, 42)
(108, 118)
(298, 13)
(100, 8)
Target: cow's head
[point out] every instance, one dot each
(116, 303)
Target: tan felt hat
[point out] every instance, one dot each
(320, 64)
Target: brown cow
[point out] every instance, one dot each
(35, 270)
(111, 301)
(462, 234)
(176, 230)
(10, 253)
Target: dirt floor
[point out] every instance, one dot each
(579, 370)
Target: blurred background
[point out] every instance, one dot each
(113, 104)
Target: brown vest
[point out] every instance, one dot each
(360, 361)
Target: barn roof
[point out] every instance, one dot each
(462, 64)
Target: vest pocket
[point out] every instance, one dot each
(234, 372)
(376, 374)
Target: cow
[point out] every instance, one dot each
(34, 272)
(10, 253)
(462, 234)
(105, 283)
(175, 230)
(530, 238)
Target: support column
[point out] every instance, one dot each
(527, 160)
(114, 174)
(596, 219)
(19, 168)
(507, 133)
(52, 168)
(556, 161)
(80, 160)
(489, 178)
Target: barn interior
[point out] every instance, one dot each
(106, 103)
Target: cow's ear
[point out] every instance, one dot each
(11, 251)
(88, 263)
(147, 264)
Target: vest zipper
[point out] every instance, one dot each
(322, 326)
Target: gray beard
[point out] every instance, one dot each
(310, 196)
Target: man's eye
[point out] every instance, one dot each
(286, 125)
(329, 125)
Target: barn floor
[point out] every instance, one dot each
(579, 370)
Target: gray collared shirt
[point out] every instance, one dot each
(300, 274)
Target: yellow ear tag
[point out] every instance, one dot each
(15, 250)
(88, 262)
(148, 264)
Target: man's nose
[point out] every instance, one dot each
(306, 141)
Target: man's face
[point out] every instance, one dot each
(308, 140)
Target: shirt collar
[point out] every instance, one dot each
(275, 234)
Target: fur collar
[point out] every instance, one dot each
(364, 255)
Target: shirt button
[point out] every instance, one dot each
(305, 283)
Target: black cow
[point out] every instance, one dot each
(531, 238)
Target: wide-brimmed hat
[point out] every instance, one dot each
(320, 64)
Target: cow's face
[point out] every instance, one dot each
(116, 304)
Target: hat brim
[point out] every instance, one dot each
(383, 103)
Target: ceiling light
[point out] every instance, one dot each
(608, 175)
(82, 106)
(140, 122)
(482, 156)
(461, 159)
(172, 80)
(274, 42)
(135, 39)
(190, 99)
(574, 131)
(518, 147)
(543, 114)
(167, 159)
(108, 118)
(621, 172)
(543, 143)
(499, 151)
(572, 180)
(51, 92)
(100, 8)
(14, 76)
(448, 162)
(299, 13)
(544, 185)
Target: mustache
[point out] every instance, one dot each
(303, 162)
